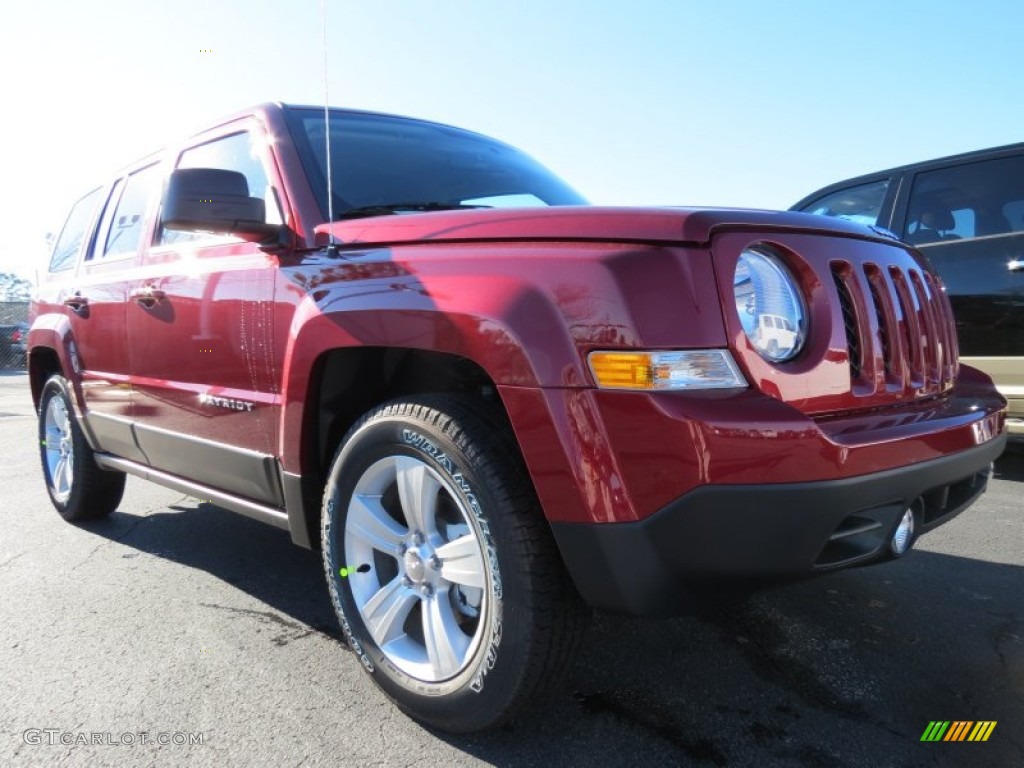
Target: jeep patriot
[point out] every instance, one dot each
(490, 405)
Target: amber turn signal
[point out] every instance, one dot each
(690, 369)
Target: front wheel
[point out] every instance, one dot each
(441, 567)
(78, 487)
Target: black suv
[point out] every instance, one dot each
(966, 214)
(13, 345)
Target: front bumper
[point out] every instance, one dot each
(715, 533)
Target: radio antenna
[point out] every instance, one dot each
(331, 246)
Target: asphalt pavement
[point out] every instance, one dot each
(176, 633)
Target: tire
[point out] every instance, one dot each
(461, 641)
(78, 488)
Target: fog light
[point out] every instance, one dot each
(904, 536)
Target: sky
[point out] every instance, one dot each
(648, 102)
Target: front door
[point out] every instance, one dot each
(968, 219)
(205, 370)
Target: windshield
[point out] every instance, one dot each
(379, 160)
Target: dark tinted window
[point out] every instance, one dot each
(75, 229)
(129, 216)
(969, 220)
(861, 204)
(1014, 213)
(381, 160)
(966, 201)
(237, 152)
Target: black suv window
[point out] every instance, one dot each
(969, 220)
(971, 200)
(861, 204)
(70, 241)
(237, 152)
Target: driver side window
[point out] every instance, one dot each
(238, 152)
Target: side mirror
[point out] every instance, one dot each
(215, 200)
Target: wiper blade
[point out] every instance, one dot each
(391, 208)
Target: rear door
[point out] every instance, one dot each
(94, 302)
(200, 338)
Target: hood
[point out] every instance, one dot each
(648, 225)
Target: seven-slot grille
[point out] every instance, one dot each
(899, 329)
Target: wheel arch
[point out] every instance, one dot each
(50, 345)
(347, 383)
(43, 363)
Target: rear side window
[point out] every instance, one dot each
(74, 232)
(129, 217)
(100, 241)
(861, 204)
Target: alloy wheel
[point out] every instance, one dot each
(60, 455)
(416, 568)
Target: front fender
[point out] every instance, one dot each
(526, 313)
(521, 345)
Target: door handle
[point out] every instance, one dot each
(147, 296)
(77, 302)
(1015, 265)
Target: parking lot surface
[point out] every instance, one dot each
(178, 633)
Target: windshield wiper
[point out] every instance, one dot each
(390, 208)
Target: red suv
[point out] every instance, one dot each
(416, 348)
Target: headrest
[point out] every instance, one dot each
(932, 212)
(938, 218)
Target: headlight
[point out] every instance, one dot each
(770, 305)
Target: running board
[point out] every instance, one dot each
(276, 517)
